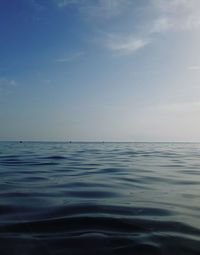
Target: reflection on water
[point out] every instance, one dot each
(99, 198)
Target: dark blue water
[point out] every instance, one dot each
(99, 198)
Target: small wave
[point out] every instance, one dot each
(56, 157)
(111, 198)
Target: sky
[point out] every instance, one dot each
(100, 70)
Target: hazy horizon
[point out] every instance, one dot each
(104, 70)
(94, 141)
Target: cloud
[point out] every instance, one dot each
(7, 85)
(169, 14)
(104, 9)
(70, 57)
(96, 9)
(4, 82)
(64, 3)
(140, 21)
(36, 5)
(194, 68)
(47, 81)
(125, 45)
(180, 107)
(174, 6)
(162, 16)
(177, 14)
(180, 14)
(160, 25)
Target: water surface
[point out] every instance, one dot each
(99, 198)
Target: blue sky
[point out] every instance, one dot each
(112, 70)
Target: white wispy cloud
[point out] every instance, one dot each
(180, 107)
(47, 81)
(98, 8)
(36, 4)
(160, 25)
(7, 85)
(174, 6)
(125, 45)
(194, 68)
(104, 9)
(161, 16)
(64, 3)
(5, 82)
(169, 15)
(70, 57)
(178, 14)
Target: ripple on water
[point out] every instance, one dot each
(94, 198)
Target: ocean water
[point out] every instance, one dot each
(99, 198)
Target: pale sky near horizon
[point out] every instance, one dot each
(112, 70)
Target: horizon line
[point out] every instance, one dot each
(97, 141)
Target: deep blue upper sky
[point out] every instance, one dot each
(115, 70)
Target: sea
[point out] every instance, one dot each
(61, 198)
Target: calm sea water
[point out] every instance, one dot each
(99, 198)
